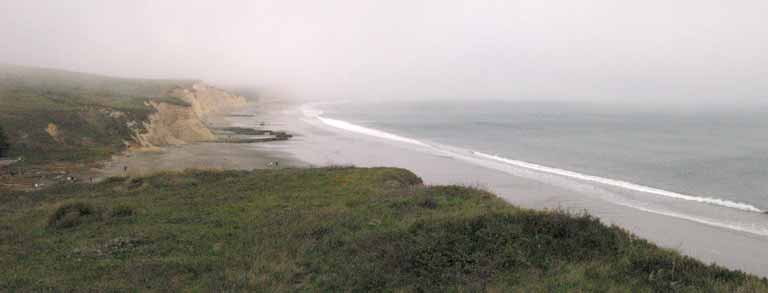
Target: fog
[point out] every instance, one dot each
(690, 51)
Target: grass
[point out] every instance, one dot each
(84, 108)
(329, 230)
(3, 142)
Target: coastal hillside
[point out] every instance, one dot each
(323, 230)
(59, 116)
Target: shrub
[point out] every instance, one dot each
(115, 179)
(3, 143)
(71, 215)
(429, 203)
(122, 211)
(135, 183)
(339, 167)
(434, 254)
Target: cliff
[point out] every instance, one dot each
(174, 124)
(51, 115)
(206, 99)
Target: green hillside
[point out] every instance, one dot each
(78, 105)
(323, 230)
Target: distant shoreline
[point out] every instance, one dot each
(239, 155)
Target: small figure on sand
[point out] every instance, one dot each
(125, 169)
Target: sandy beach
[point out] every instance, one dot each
(207, 155)
(316, 144)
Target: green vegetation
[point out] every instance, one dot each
(90, 113)
(3, 142)
(71, 215)
(331, 230)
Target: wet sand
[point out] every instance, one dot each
(238, 156)
(318, 145)
(315, 144)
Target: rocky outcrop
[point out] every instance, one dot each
(173, 124)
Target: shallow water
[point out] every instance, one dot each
(694, 165)
(713, 154)
(335, 134)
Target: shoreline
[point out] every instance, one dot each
(322, 145)
(316, 144)
(238, 154)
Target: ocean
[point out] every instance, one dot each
(708, 166)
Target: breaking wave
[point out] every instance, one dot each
(479, 157)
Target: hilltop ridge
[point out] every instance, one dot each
(339, 229)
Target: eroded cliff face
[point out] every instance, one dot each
(172, 124)
(206, 100)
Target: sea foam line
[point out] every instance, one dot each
(536, 167)
(368, 131)
(620, 184)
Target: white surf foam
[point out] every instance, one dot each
(368, 131)
(621, 184)
(311, 112)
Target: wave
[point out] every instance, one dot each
(536, 167)
(484, 157)
(368, 131)
(621, 184)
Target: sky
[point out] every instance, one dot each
(692, 51)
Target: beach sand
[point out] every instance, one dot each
(237, 156)
(195, 156)
(316, 144)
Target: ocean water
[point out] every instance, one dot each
(717, 157)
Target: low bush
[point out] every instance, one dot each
(429, 203)
(340, 167)
(135, 183)
(122, 211)
(71, 215)
(115, 179)
(3, 143)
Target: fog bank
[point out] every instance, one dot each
(696, 52)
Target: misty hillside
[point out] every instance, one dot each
(54, 115)
(30, 88)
